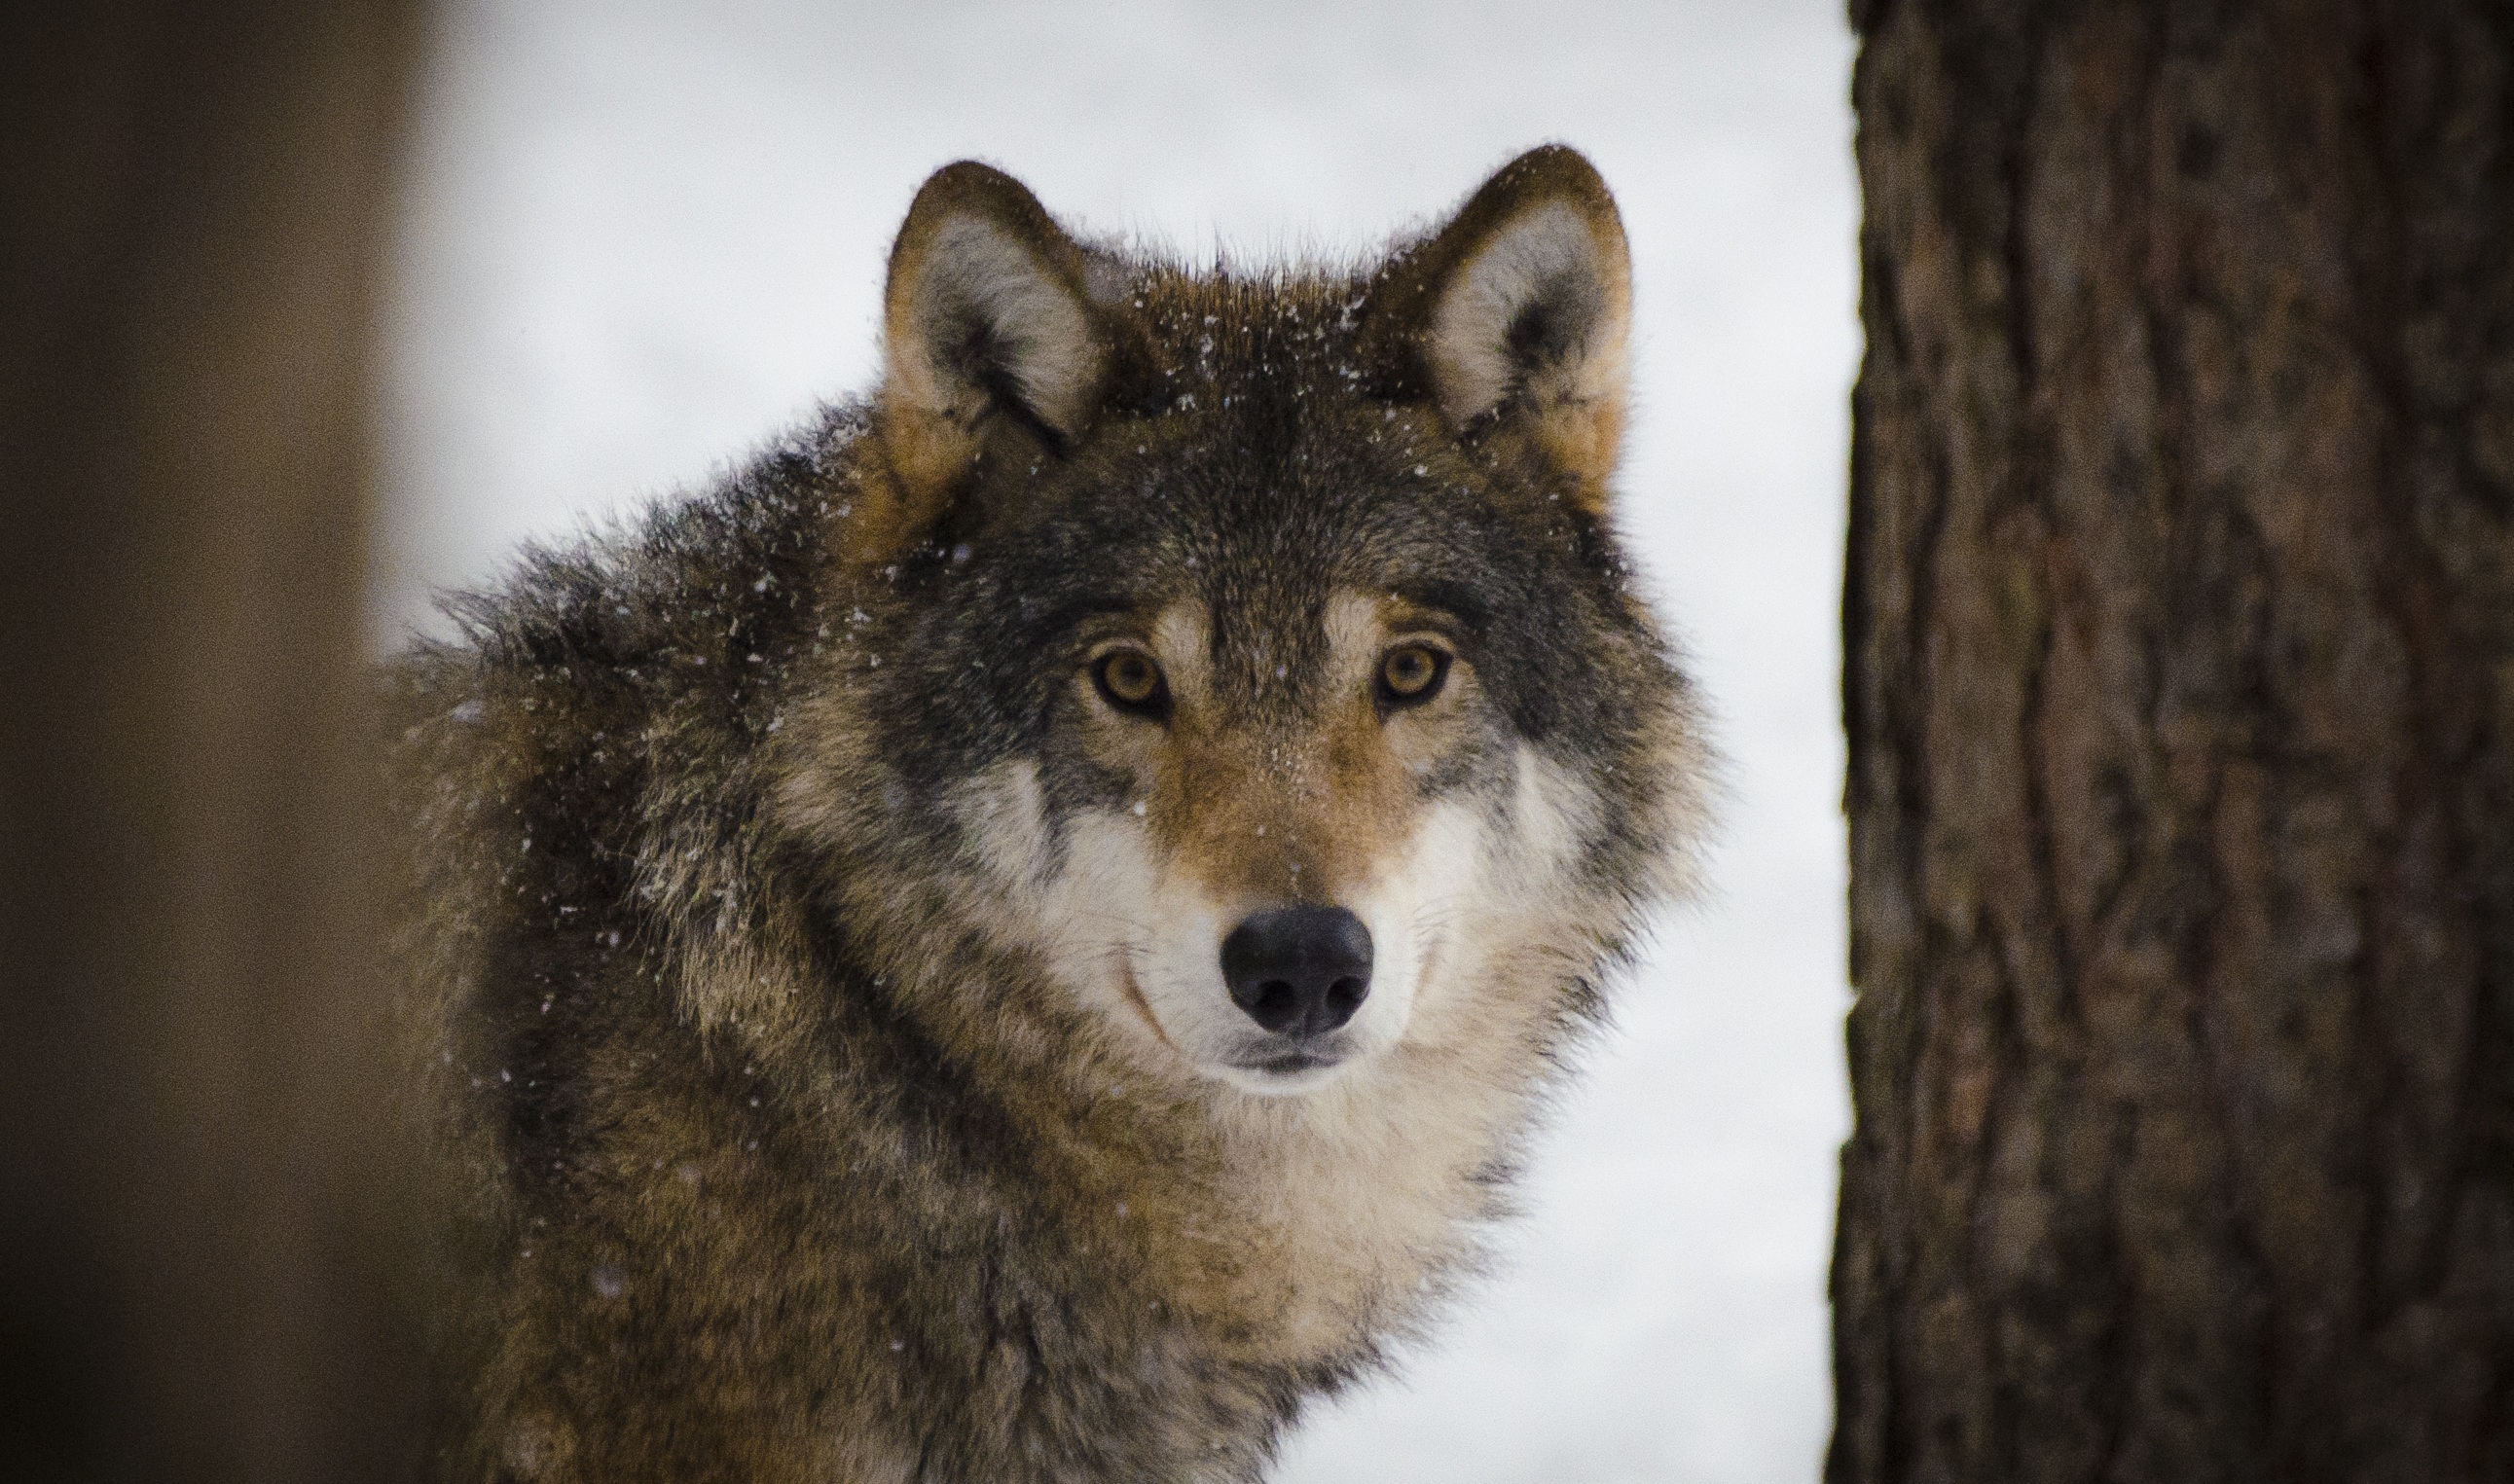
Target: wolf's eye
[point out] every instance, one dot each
(1412, 674)
(1129, 680)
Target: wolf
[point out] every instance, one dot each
(1017, 937)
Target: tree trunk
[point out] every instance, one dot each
(203, 1276)
(2178, 639)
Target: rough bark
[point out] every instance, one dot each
(2179, 685)
(200, 1253)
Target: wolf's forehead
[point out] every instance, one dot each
(1239, 640)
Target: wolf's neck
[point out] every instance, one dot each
(1354, 1208)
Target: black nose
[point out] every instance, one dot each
(1298, 971)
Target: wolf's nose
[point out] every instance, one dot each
(1298, 971)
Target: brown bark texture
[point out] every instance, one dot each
(2179, 685)
(201, 1271)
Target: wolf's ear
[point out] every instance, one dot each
(986, 317)
(1517, 312)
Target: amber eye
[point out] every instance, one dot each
(1411, 673)
(1129, 680)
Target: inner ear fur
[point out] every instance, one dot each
(1517, 314)
(987, 315)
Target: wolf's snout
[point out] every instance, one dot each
(1298, 971)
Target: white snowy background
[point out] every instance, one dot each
(643, 236)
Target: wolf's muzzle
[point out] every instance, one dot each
(1298, 971)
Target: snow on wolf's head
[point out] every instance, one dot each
(1241, 670)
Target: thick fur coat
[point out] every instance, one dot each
(821, 892)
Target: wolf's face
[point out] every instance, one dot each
(1271, 800)
(1254, 656)
(1301, 850)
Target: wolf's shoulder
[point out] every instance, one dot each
(634, 664)
(674, 611)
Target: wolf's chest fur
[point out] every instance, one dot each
(1015, 939)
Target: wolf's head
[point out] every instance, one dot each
(1253, 655)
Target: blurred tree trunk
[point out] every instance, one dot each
(203, 1269)
(2179, 684)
